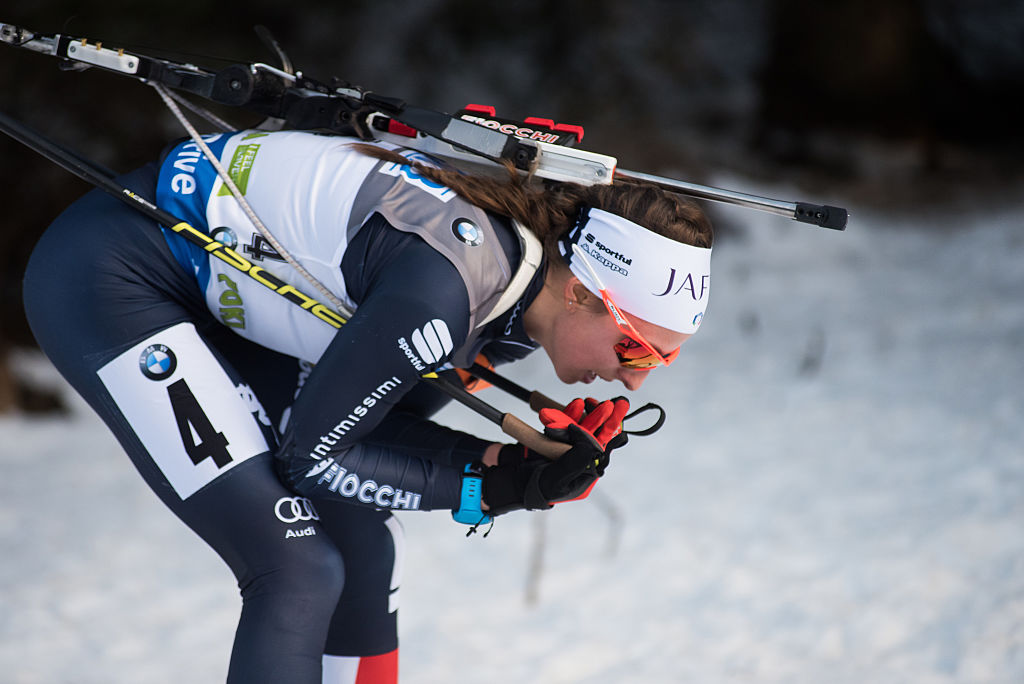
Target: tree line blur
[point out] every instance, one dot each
(899, 102)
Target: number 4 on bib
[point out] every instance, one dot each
(200, 439)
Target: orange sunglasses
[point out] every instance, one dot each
(634, 351)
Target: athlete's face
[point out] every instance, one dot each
(582, 347)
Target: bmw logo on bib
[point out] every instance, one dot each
(157, 362)
(467, 231)
(225, 236)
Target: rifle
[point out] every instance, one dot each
(471, 137)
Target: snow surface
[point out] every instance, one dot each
(838, 497)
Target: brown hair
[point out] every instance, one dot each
(550, 212)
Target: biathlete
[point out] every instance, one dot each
(287, 444)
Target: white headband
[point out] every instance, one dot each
(650, 276)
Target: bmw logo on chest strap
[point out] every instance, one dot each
(157, 362)
(225, 236)
(466, 230)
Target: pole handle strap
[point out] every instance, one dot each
(650, 406)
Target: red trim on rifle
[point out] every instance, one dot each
(537, 121)
(399, 128)
(570, 128)
(481, 109)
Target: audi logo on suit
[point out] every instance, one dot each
(293, 509)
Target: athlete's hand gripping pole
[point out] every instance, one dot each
(600, 419)
(538, 401)
(525, 479)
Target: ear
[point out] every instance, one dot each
(574, 294)
(577, 296)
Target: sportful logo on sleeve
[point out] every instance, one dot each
(433, 341)
(430, 344)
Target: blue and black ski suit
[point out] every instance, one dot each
(286, 444)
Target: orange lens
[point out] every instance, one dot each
(633, 354)
(634, 351)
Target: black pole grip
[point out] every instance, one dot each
(821, 215)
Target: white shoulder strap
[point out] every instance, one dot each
(532, 255)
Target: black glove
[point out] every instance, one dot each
(525, 479)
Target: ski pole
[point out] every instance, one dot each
(510, 425)
(90, 174)
(535, 399)
(538, 401)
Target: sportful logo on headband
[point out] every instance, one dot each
(653, 277)
(607, 251)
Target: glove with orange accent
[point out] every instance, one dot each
(524, 479)
(603, 420)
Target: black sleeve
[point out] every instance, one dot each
(413, 433)
(343, 439)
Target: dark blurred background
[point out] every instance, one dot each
(904, 105)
